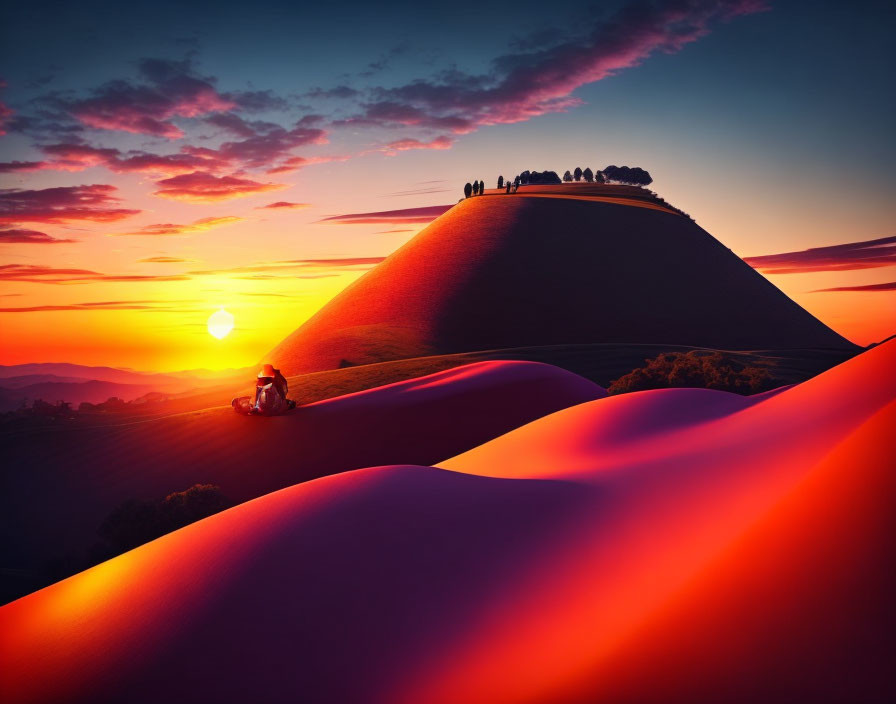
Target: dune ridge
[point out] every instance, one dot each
(551, 564)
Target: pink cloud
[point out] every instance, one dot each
(200, 187)
(94, 203)
(403, 145)
(527, 84)
(284, 204)
(168, 89)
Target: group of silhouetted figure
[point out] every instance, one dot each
(628, 175)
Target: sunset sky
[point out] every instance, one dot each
(161, 160)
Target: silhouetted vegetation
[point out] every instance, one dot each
(695, 369)
(507, 187)
(137, 522)
(632, 176)
(577, 174)
(500, 182)
(588, 175)
(567, 177)
(468, 190)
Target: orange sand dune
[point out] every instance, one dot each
(664, 546)
(57, 487)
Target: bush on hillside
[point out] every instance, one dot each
(137, 522)
(567, 177)
(633, 176)
(703, 370)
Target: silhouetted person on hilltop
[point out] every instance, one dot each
(270, 399)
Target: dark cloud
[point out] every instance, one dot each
(889, 286)
(397, 217)
(337, 92)
(869, 254)
(20, 236)
(62, 204)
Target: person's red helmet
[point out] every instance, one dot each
(267, 370)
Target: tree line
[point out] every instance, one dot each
(628, 175)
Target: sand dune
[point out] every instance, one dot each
(665, 546)
(57, 487)
(552, 265)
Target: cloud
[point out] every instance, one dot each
(283, 204)
(420, 191)
(62, 204)
(869, 254)
(5, 113)
(889, 286)
(263, 270)
(163, 260)
(200, 187)
(390, 232)
(150, 305)
(201, 225)
(300, 162)
(337, 92)
(264, 144)
(396, 217)
(7, 167)
(19, 236)
(167, 89)
(38, 274)
(540, 80)
(403, 145)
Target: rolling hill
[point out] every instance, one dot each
(553, 265)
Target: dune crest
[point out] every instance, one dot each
(550, 564)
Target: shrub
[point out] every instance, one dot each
(567, 177)
(136, 522)
(705, 370)
(468, 190)
(577, 174)
(588, 175)
(500, 182)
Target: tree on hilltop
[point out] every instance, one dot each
(468, 190)
(588, 175)
(500, 182)
(475, 188)
(567, 177)
(632, 176)
(577, 174)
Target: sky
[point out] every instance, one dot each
(161, 160)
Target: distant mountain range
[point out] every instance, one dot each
(75, 383)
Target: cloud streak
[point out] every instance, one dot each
(201, 225)
(39, 274)
(871, 288)
(21, 236)
(868, 254)
(390, 217)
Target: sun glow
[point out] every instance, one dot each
(220, 323)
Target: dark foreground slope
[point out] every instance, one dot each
(734, 549)
(533, 270)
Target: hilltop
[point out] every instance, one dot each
(548, 265)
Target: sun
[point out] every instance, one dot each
(220, 323)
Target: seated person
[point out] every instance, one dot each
(270, 392)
